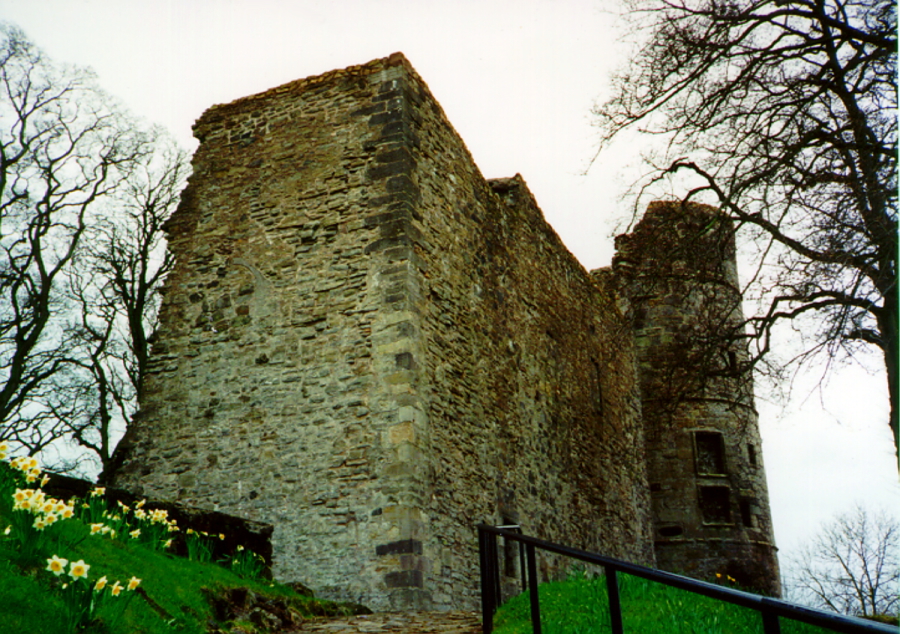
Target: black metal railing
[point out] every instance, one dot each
(770, 610)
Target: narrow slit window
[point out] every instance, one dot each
(596, 389)
(510, 552)
(747, 513)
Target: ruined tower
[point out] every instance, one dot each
(677, 270)
(370, 346)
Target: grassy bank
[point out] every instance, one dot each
(579, 606)
(80, 566)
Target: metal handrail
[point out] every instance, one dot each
(771, 610)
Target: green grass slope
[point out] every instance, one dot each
(579, 606)
(169, 593)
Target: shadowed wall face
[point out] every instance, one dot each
(366, 344)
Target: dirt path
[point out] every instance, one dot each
(398, 623)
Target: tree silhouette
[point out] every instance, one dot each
(84, 191)
(784, 114)
(851, 566)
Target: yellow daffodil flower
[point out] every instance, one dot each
(78, 569)
(57, 565)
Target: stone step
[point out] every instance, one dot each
(397, 623)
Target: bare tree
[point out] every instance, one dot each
(115, 282)
(783, 113)
(851, 566)
(84, 191)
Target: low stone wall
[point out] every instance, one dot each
(237, 531)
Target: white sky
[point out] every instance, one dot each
(517, 79)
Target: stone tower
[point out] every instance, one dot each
(368, 345)
(677, 270)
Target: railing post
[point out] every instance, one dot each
(494, 554)
(615, 605)
(522, 568)
(533, 589)
(488, 574)
(770, 623)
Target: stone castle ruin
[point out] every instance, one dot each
(370, 346)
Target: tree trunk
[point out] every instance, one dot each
(889, 327)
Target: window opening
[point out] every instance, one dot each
(671, 531)
(510, 549)
(747, 513)
(715, 505)
(709, 452)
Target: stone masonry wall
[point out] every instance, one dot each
(532, 403)
(370, 347)
(274, 387)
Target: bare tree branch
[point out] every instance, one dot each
(851, 566)
(783, 113)
(84, 193)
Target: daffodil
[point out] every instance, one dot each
(116, 589)
(78, 569)
(57, 565)
(135, 533)
(98, 491)
(97, 528)
(101, 583)
(133, 583)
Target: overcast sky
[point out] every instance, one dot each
(517, 80)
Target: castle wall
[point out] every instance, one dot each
(533, 409)
(370, 347)
(677, 270)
